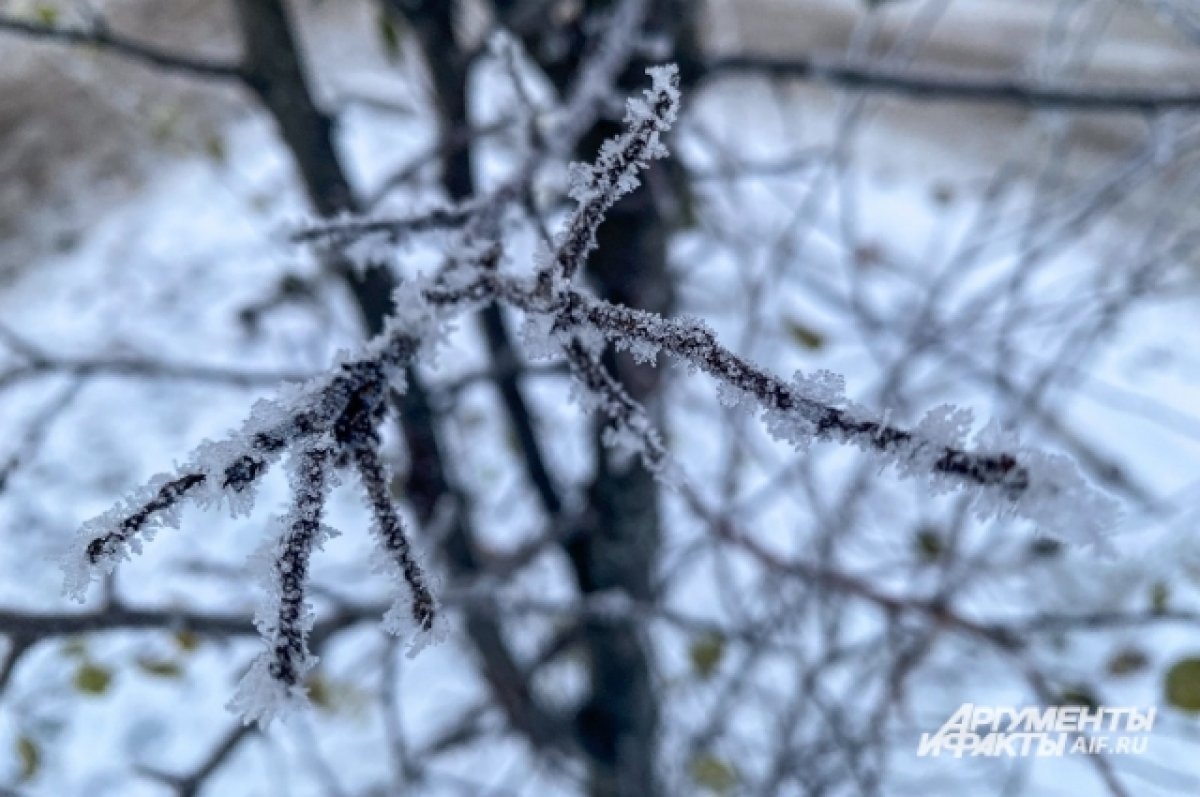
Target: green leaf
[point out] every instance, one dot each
(214, 147)
(706, 653)
(164, 123)
(320, 691)
(390, 35)
(46, 14)
(30, 755)
(335, 695)
(187, 640)
(1181, 687)
(160, 668)
(713, 774)
(1160, 594)
(804, 335)
(92, 679)
(399, 485)
(690, 205)
(261, 201)
(75, 647)
(929, 545)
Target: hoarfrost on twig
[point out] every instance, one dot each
(333, 421)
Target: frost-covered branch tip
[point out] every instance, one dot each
(276, 677)
(630, 426)
(325, 424)
(597, 186)
(1007, 478)
(417, 606)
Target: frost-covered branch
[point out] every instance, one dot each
(631, 427)
(350, 228)
(417, 605)
(228, 470)
(597, 186)
(332, 422)
(276, 677)
(1041, 487)
(311, 421)
(1010, 479)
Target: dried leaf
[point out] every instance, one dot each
(75, 647)
(214, 147)
(319, 691)
(46, 14)
(187, 640)
(804, 335)
(706, 653)
(390, 35)
(1160, 594)
(929, 545)
(160, 668)
(1181, 687)
(1127, 662)
(30, 755)
(92, 679)
(713, 774)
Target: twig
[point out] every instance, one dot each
(132, 49)
(940, 88)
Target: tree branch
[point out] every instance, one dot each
(125, 47)
(932, 87)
